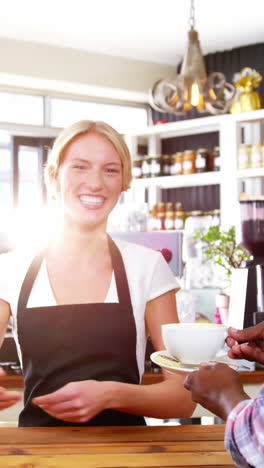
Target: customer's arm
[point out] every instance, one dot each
(244, 432)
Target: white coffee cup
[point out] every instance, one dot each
(193, 343)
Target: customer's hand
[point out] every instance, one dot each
(217, 387)
(247, 344)
(76, 401)
(8, 398)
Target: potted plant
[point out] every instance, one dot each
(222, 248)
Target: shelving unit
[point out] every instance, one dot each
(233, 129)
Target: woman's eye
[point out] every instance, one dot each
(79, 166)
(110, 170)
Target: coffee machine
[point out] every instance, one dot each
(247, 289)
(252, 230)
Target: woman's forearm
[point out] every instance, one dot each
(164, 400)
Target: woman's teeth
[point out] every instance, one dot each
(94, 201)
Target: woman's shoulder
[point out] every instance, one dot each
(16, 259)
(138, 252)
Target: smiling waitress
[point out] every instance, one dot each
(83, 307)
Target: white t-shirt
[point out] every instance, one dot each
(148, 276)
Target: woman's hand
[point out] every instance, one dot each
(216, 387)
(76, 401)
(247, 344)
(8, 398)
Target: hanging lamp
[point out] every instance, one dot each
(192, 88)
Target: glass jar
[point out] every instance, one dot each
(196, 221)
(145, 167)
(176, 163)
(161, 210)
(243, 161)
(153, 222)
(179, 216)
(179, 220)
(137, 168)
(188, 162)
(169, 216)
(204, 160)
(216, 158)
(155, 166)
(166, 163)
(201, 160)
(256, 156)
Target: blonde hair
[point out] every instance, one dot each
(61, 143)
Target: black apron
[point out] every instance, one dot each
(62, 344)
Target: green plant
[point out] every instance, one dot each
(221, 247)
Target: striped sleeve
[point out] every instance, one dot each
(244, 435)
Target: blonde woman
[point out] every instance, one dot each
(84, 306)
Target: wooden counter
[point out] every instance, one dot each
(114, 447)
(256, 377)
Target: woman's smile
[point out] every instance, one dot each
(92, 201)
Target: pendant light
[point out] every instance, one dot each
(192, 88)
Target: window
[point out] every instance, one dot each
(6, 197)
(21, 108)
(124, 118)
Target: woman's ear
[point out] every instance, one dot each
(54, 187)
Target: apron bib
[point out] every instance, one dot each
(66, 343)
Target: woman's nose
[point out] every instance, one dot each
(94, 180)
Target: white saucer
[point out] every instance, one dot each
(178, 367)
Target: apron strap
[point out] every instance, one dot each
(120, 274)
(29, 280)
(117, 264)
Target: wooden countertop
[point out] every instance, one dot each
(256, 377)
(115, 447)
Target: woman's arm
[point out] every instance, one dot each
(80, 401)
(167, 399)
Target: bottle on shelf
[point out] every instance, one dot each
(145, 167)
(244, 157)
(155, 166)
(179, 216)
(169, 223)
(216, 158)
(153, 221)
(256, 156)
(137, 168)
(165, 165)
(161, 211)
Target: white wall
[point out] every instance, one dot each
(38, 66)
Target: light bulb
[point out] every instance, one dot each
(195, 94)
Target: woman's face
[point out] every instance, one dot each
(89, 181)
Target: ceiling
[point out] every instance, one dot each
(148, 30)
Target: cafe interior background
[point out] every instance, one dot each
(126, 63)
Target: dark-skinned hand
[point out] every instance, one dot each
(247, 344)
(217, 387)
